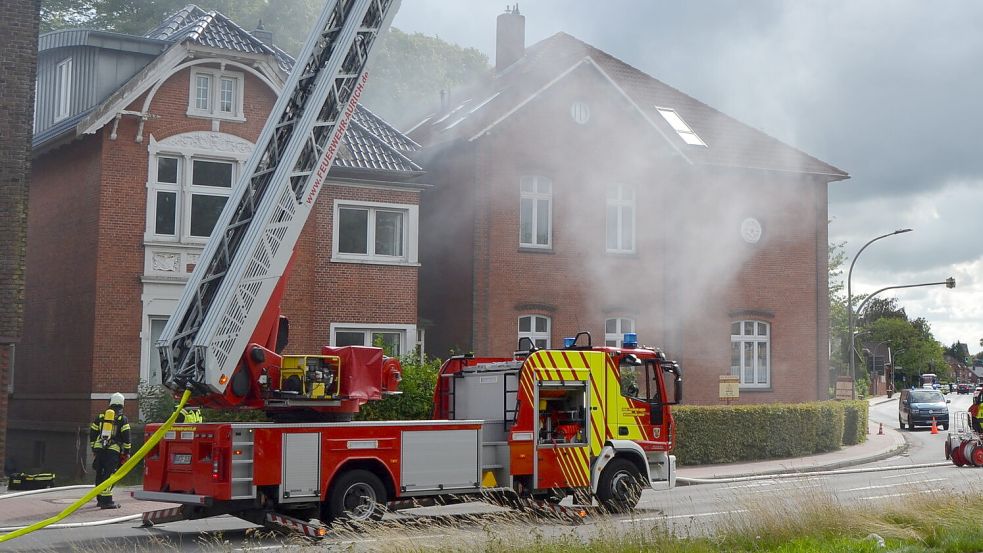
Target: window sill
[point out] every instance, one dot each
(621, 254)
(364, 261)
(530, 249)
(206, 115)
(756, 389)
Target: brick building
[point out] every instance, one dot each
(138, 140)
(574, 192)
(18, 57)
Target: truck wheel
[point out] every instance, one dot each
(620, 486)
(357, 495)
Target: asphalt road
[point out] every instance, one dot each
(686, 509)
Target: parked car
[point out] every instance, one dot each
(917, 407)
(964, 388)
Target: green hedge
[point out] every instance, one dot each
(855, 423)
(721, 434)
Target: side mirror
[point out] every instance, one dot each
(948, 401)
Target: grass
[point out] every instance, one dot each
(803, 522)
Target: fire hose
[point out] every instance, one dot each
(112, 480)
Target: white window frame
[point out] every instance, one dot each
(185, 192)
(63, 89)
(216, 78)
(407, 333)
(681, 127)
(618, 336)
(411, 235)
(622, 202)
(535, 196)
(191, 190)
(532, 334)
(755, 339)
(151, 348)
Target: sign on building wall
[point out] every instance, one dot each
(730, 388)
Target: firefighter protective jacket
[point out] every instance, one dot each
(120, 439)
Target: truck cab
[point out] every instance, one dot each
(561, 421)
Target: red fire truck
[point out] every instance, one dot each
(582, 421)
(592, 422)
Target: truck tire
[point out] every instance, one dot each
(620, 486)
(356, 495)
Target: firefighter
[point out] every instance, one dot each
(190, 415)
(975, 415)
(109, 436)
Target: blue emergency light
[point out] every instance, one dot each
(569, 342)
(630, 341)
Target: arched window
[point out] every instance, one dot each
(750, 353)
(536, 328)
(615, 329)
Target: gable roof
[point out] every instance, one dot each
(547, 63)
(215, 30)
(370, 142)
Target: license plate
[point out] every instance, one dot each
(181, 459)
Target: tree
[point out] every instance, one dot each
(838, 315)
(409, 71)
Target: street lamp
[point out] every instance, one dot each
(849, 304)
(949, 283)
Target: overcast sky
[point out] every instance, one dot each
(890, 92)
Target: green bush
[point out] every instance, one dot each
(157, 403)
(855, 422)
(729, 434)
(416, 400)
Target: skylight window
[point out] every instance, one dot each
(680, 126)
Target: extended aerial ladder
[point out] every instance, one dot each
(221, 341)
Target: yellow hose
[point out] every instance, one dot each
(116, 476)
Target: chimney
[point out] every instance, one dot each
(264, 36)
(510, 40)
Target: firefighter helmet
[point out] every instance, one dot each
(116, 399)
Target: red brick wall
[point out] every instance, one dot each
(321, 291)
(692, 273)
(18, 59)
(123, 204)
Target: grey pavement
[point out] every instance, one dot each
(25, 510)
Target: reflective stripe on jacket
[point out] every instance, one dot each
(120, 441)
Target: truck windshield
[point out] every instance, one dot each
(926, 396)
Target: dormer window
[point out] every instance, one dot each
(682, 129)
(216, 94)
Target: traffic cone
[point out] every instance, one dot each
(935, 427)
(880, 429)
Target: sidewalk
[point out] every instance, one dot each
(26, 510)
(876, 447)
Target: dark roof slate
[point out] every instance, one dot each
(215, 30)
(729, 142)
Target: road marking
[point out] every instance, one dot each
(894, 485)
(788, 488)
(898, 494)
(694, 515)
(904, 475)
